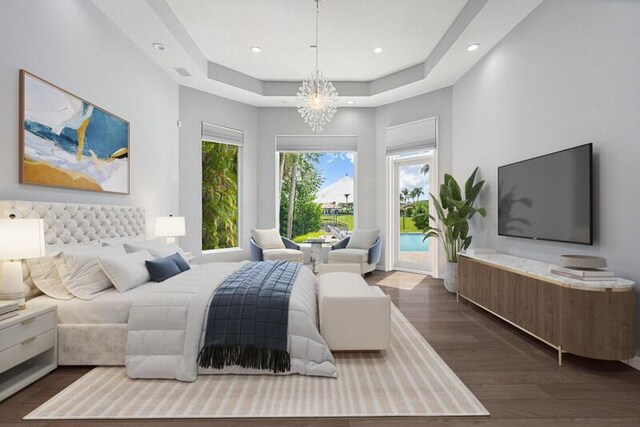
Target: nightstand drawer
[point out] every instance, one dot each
(26, 329)
(26, 349)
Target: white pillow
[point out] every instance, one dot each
(81, 273)
(116, 241)
(363, 239)
(159, 248)
(30, 289)
(44, 273)
(267, 239)
(127, 271)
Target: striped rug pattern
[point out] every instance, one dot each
(409, 379)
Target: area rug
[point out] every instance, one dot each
(401, 280)
(409, 379)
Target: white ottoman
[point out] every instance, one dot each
(333, 268)
(353, 315)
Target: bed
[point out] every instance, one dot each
(99, 332)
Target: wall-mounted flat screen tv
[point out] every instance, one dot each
(548, 197)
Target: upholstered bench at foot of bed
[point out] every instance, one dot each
(353, 315)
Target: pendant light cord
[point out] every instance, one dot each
(317, 18)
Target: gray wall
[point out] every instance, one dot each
(72, 44)
(567, 75)
(197, 107)
(437, 103)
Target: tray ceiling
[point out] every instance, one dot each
(208, 43)
(406, 30)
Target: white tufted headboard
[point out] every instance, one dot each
(66, 223)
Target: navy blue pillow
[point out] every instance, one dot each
(162, 269)
(183, 265)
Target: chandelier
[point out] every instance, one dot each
(317, 99)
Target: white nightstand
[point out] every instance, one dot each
(28, 348)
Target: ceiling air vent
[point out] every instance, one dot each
(183, 72)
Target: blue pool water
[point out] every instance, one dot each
(412, 242)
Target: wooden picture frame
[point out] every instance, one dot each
(68, 142)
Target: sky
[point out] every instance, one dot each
(334, 166)
(411, 177)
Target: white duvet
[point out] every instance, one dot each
(165, 329)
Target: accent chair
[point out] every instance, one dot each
(363, 247)
(268, 245)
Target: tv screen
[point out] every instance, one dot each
(548, 197)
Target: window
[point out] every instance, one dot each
(321, 186)
(221, 165)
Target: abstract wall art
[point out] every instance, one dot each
(68, 142)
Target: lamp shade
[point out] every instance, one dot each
(170, 226)
(21, 238)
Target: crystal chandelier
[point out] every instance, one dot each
(317, 99)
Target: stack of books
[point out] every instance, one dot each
(585, 274)
(8, 309)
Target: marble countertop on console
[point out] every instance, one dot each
(542, 270)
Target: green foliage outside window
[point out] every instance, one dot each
(219, 195)
(420, 215)
(300, 171)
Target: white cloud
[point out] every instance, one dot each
(411, 177)
(350, 156)
(332, 157)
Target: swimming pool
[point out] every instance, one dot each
(412, 242)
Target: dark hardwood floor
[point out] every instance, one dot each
(514, 376)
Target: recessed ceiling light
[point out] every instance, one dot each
(351, 102)
(256, 49)
(159, 46)
(473, 47)
(377, 50)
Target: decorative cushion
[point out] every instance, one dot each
(182, 263)
(44, 273)
(267, 239)
(349, 256)
(159, 248)
(363, 239)
(81, 273)
(283, 255)
(162, 269)
(127, 271)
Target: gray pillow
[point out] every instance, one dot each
(162, 269)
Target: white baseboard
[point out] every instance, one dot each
(634, 363)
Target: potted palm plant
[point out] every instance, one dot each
(451, 224)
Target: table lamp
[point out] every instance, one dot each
(19, 239)
(170, 227)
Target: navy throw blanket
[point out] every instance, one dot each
(248, 318)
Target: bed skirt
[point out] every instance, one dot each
(92, 344)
